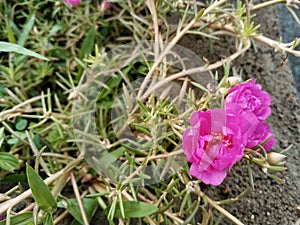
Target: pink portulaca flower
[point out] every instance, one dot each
(251, 97)
(261, 133)
(217, 137)
(73, 2)
(214, 143)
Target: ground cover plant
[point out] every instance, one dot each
(101, 108)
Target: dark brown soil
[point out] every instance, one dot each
(271, 202)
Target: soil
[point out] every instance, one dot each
(271, 202)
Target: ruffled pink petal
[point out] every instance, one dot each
(209, 176)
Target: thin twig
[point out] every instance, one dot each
(285, 47)
(77, 195)
(160, 156)
(197, 70)
(223, 211)
(152, 8)
(60, 217)
(173, 42)
(266, 4)
(276, 45)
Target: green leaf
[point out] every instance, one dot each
(20, 219)
(9, 47)
(88, 43)
(8, 161)
(86, 48)
(90, 207)
(37, 141)
(15, 178)
(40, 191)
(133, 209)
(21, 124)
(2, 90)
(55, 29)
(113, 82)
(9, 30)
(143, 108)
(27, 28)
(13, 140)
(53, 136)
(48, 220)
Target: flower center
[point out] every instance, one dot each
(227, 142)
(217, 138)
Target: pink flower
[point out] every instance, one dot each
(256, 131)
(213, 144)
(251, 98)
(261, 133)
(73, 2)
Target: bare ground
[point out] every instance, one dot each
(271, 202)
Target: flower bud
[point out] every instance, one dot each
(222, 91)
(104, 6)
(232, 81)
(274, 158)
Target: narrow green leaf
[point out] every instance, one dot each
(121, 206)
(250, 175)
(200, 86)
(192, 214)
(143, 108)
(48, 220)
(88, 43)
(205, 216)
(134, 209)
(86, 49)
(75, 222)
(26, 29)
(8, 161)
(55, 29)
(97, 195)
(113, 82)
(10, 33)
(40, 191)
(9, 47)
(110, 211)
(20, 219)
